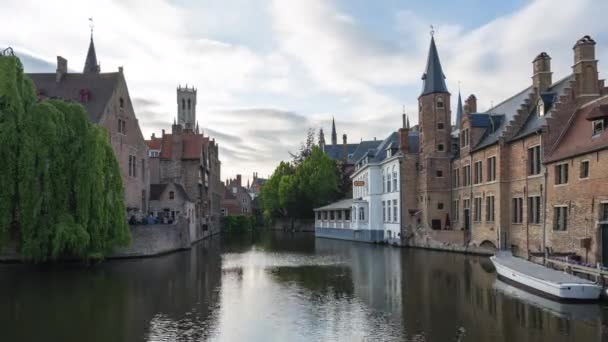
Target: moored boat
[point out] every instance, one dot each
(545, 281)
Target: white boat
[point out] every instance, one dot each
(543, 280)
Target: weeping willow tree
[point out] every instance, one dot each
(60, 186)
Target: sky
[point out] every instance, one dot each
(268, 70)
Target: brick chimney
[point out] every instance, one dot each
(62, 68)
(238, 180)
(585, 68)
(404, 133)
(470, 105)
(541, 74)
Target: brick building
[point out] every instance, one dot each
(105, 97)
(236, 200)
(190, 159)
(499, 178)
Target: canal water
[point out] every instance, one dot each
(284, 287)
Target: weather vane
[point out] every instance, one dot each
(91, 24)
(432, 31)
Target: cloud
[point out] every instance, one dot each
(267, 71)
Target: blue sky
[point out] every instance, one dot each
(268, 70)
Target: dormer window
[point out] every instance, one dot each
(598, 127)
(388, 153)
(541, 107)
(440, 103)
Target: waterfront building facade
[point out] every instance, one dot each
(105, 97)
(236, 199)
(525, 175)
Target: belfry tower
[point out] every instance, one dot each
(186, 107)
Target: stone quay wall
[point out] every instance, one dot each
(157, 239)
(299, 225)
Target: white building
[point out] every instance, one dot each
(375, 210)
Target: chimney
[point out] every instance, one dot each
(62, 68)
(238, 180)
(470, 105)
(120, 69)
(153, 136)
(163, 131)
(344, 148)
(585, 67)
(541, 73)
(404, 133)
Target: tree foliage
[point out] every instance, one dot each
(294, 190)
(305, 148)
(61, 191)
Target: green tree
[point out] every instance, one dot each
(60, 186)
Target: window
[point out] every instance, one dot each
(395, 212)
(464, 138)
(171, 195)
(478, 172)
(541, 107)
(189, 105)
(440, 103)
(440, 206)
(466, 175)
(361, 214)
(517, 210)
(534, 160)
(584, 169)
(534, 211)
(388, 212)
(383, 182)
(455, 210)
(331, 215)
(477, 209)
(490, 209)
(560, 221)
(395, 179)
(122, 127)
(132, 166)
(318, 215)
(456, 178)
(598, 127)
(440, 147)
(604, 212)
(121, 103)
(339, 212)
(491, 176)
(561, 174)
(383, 211)
(439, 173)
(388, 181)
(183, 104)
(347, 215)
(325, 215)
(440, 125)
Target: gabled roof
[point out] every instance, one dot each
(577, 138)
(433, 78)
(100, 87)
(362, 148)
(336, 152)
(378, 154)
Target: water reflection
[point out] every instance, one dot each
(284, 287)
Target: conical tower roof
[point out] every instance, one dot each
(90, 64)
(433, 78)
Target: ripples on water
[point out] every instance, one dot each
(284, 287)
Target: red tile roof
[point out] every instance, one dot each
(154, 143)
(577, 137)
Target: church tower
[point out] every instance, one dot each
(434, 118)
(186, 107)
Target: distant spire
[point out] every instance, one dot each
(433, 78)
(459, 110)
(334, 135)
(321, 140)
(90, 64)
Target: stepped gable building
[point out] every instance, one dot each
(187, 158)
(105, 97)
(527, 174)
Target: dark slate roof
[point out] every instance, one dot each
(459, 111)
(535, 122)
(100, 87)
(433, 78)
(90, 64)
(336, 151)
(378, 154)
(507, 110)
(363, 148)
(156, 190)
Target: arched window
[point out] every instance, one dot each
(383, 182)
(183, 104)
(388, 180)
(361, 214)
(189, 106)
(440, 102)
(394, 178)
